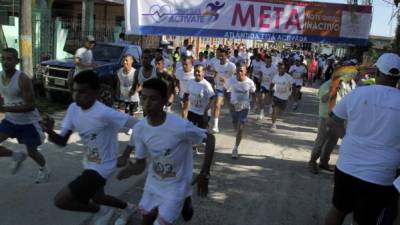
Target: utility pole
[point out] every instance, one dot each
(25, 43)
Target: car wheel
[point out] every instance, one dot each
(106, 95)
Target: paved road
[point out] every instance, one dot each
(268, 185)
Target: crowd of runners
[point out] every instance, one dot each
(218, 80)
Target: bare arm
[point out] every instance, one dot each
(47, 124)
(26, 87)
(203, 177)
(132, 169)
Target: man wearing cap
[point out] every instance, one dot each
(370, 152)
(84, 57)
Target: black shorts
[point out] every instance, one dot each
(279, 103)
(264, 90)
(257, 82)
(87, 185)
(129, 107)
(197, 120)
(366, 200)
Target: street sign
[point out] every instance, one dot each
(268, 20)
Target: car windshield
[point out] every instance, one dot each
(107, 53)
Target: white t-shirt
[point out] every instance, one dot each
(223, 71)
(297, 73)
(98, 129)
(86, 57)
(170, 148)
(257, 67)
(267, 75)
(282, 86)
(370, 149)
(184, 80)
(199, 95)
(125, 84)
(240, 92)
(276, 59)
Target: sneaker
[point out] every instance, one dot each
(261, 116)
(43, 175)
(125, 214)
(326, 167)
(313, 167)
(103, 216)
(18, 159)
(215, 130)
(187, 210)
(235, 153)
(273, 127)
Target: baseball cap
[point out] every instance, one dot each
(90, 38)
(389, 64)
(296, 57)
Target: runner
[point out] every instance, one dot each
(298, 71)
(240, 88)
(256, 70)
(224, 70)
(21, 116)
(267, 73)
(370, 151)
(168, 139)
(201, 95)
(168, 78)
(98, 127)
(126, 96)
(183, 75)
(146, 72)
(201, 60)
(282, 86)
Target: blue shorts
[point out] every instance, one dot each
(239, 116)
(220, 93)
(30, 135)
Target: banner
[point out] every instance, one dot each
(268, 20)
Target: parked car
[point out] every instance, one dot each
(56, 74)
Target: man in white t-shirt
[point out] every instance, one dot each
(224, 70)
(84, 57)
(125, 91)
(256, 70)
(168, 139)
(184, 75)
(267, 73)
(98, 127)
(200, 98)
(298, 71)
(370, 151)
(282, 86)
(240, 88)
(201, 60)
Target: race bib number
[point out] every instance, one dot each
(93, 154)
(164, 166)
(196, 100)
(297, 75)
(282, 89)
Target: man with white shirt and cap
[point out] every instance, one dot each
(84, 57)
(370, 151)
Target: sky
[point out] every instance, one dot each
(382, 12)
